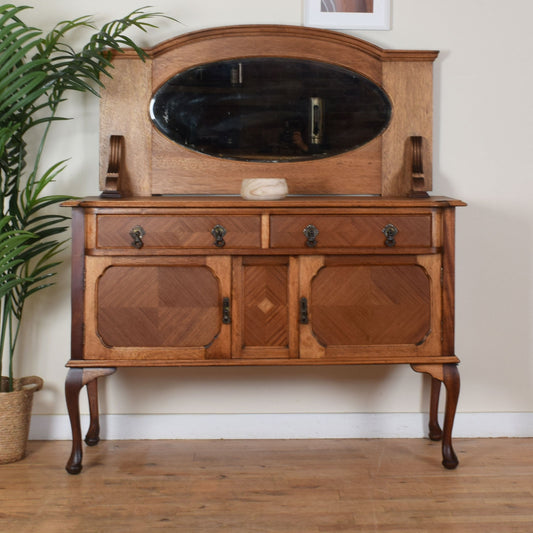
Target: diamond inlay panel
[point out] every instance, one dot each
(265, 305)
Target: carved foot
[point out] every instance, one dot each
(91, 441)
(435, 432)
(74, 465)
(449, 459)
(74, 469)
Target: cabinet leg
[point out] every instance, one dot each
(76, 379)
(435, 432)
(449, 375)
(73, 385)
(452, 384)
(93, 434)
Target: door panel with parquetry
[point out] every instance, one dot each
(371, 305)
(158, 306)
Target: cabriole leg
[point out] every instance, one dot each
(93, 434)
(435, 431)
(449, 375)
(452, 384)
(76, 379)
(73, 385)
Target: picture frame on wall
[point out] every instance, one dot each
(348, 14)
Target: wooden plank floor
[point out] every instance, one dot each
(302, 486)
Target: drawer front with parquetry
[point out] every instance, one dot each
(381, 231)
(178, 231)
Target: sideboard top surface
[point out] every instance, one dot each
(186, 201)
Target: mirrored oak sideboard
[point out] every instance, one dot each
(171, 267)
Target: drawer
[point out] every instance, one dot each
(179, 231)
(381, 231)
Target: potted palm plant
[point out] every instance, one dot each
(37, 71)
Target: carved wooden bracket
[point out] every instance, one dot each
(418, 178)
(114, 167)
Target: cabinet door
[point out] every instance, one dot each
(265, 318)
(371, 309)
(157, 308)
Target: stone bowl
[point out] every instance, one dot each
(264, 189)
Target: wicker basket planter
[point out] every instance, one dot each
(15, 415)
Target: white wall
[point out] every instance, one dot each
(483, 155)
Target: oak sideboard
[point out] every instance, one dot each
(172, 267)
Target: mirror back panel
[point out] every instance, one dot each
(307, 135)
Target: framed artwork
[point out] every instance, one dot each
(348, 14)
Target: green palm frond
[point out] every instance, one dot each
(37, 71)
(12, 244)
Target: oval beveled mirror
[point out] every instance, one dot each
(270, 109)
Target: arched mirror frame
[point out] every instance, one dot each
(153, 164)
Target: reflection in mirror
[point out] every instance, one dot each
(270, 109)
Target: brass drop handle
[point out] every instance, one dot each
(226, 311)
(218, 233)
(304, 311)
(390, 231)
(311, 233)
(137, 233)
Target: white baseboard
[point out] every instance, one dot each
(283, 426)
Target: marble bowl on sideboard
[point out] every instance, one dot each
(264, 189)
